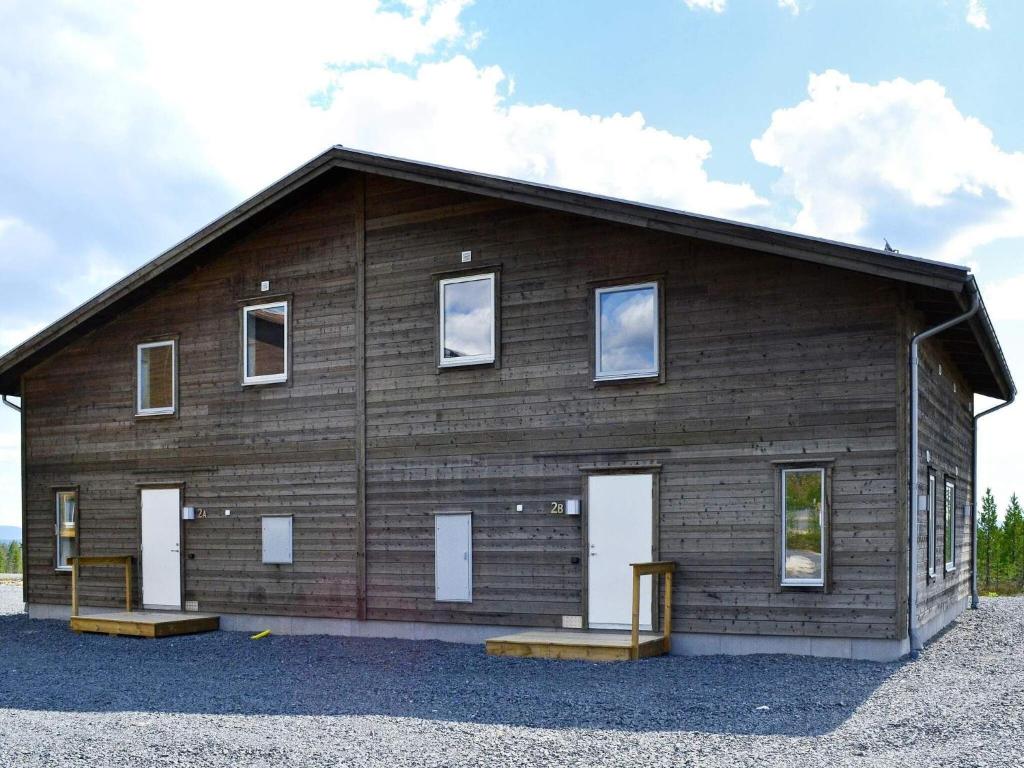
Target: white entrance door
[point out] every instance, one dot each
(620, 513)
(161, 548)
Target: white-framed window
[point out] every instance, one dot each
(949, 538)
(803, 527)
(466, 325)
(626, 332)
(931, 523)
(156, 378)
(265, 343)
(66, 527)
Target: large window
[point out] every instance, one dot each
(803, 527)
(931, 523)
(265, 343)
(949, 539)
(467, 321)
(626, 343)
(155, 375)
(66, 527)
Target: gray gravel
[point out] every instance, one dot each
(224, 700)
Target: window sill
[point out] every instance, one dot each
(264, 382)
(467, 366)
(156, 415)
(653, 378)
(802, 587)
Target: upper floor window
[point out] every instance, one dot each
(803, 527)
(265, 343)
(155, 378)
(66, 527)
(626, 332)
(467, 321)
(949, 539)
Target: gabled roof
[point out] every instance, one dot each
(940, 289)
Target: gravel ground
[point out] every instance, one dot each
(224, 700)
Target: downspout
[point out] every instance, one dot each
(9, 404)
(915, 462)
(974, 491)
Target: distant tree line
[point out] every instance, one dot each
(10, 557)
(1000, 547)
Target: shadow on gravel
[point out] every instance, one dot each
(45, 666)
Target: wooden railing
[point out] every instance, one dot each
(122, 560)
(664, 568)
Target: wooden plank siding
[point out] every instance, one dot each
(253, 450)
(946, 427)
(767, 359)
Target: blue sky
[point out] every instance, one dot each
(129, 125)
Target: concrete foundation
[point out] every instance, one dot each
(929, 629)
(688, 644)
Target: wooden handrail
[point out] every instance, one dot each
(661, 568)
(122, 560)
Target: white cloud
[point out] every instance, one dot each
(40, 283)
(94, 272)
(896, 159)
(1003, 298)
(718, 6)
(977, 14)
(456, 113)
(715, 6)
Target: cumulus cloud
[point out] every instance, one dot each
(1003, 298)
(793, 6)
(715, 6)
(895, 159)
(977, 14)
(454, 112)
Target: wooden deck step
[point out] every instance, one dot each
(578, 645)
(146, 623)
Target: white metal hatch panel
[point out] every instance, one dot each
(161, 548)
(620, 514)
(453, 557)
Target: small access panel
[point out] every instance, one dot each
(453, 557)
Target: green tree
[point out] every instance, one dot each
(3, 560)
(1012, 541)
(988, 535)
(14, 557)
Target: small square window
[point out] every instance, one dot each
(265, 343)
(156, 378)
(467, 321)
(803, 527)
(626, 332)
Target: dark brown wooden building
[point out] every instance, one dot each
(387, 398)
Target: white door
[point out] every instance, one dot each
(620, 514)
(453, 557)
(161, 548)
